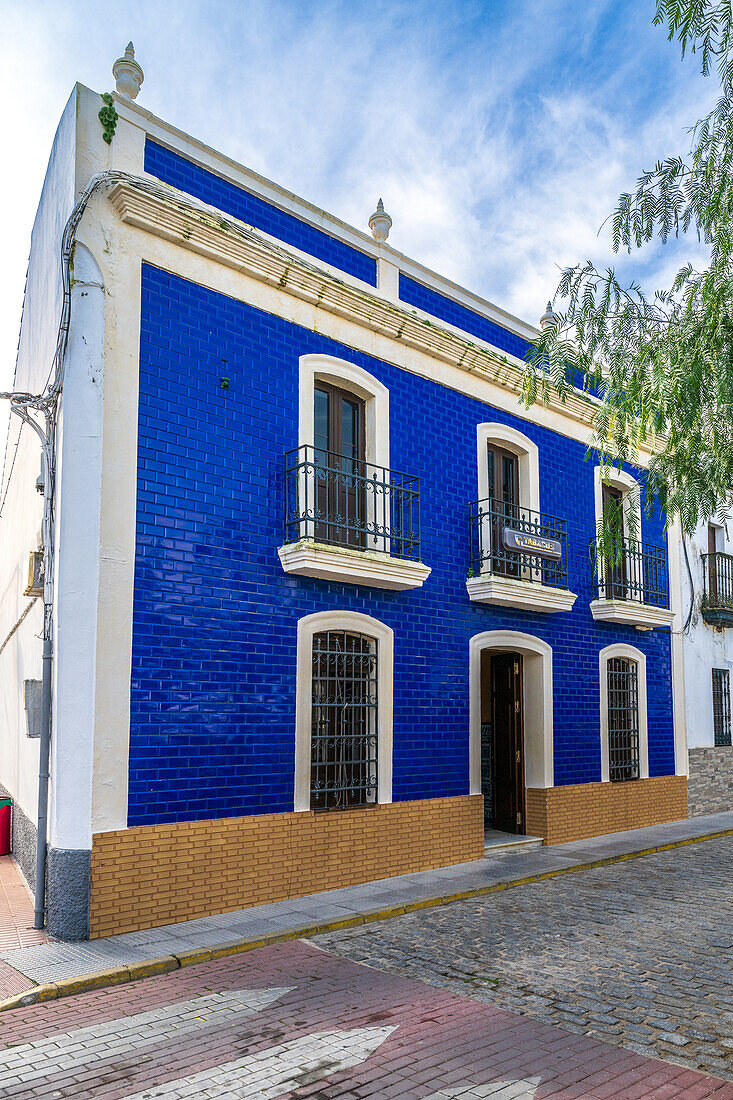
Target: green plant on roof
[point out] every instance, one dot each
(108, 117)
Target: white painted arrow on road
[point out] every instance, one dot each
(496, 1090)
(277, 1070)
(74, 1050)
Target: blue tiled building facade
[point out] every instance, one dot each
(328, 606)
(214, 678)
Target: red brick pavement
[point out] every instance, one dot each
(438, 1042)
(16, 925)
(16, 909)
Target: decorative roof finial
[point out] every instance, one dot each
(128, 74)
(548, 317)
(380, 223)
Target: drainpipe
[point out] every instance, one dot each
(43, 777)
(46, 437)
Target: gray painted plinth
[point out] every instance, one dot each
(67, 893)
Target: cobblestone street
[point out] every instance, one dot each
(291, 1020)
(638, 954)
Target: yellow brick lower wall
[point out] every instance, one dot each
(583, 810)
(159, 874)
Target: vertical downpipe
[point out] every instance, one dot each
(43, 777)
(47, 446)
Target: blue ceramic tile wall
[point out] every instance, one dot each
(214, 640)
(202, 184)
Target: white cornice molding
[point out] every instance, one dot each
(226, 241)
(527, 595)
(629, 613)
(332, 563)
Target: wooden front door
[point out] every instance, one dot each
(340, 473)
(507, 730)
(614, 567)
(504, 497)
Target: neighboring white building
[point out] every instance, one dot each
(707, 588)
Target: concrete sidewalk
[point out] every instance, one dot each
(58, 969)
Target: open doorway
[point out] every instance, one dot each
(502, 741)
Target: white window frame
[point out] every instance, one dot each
(631, 653)
(384, 636)
(538, 704)
(626, 612)
(526, 451)
(504, 591)
(527, 454)
(372, 567)
(630, 504)
(347, 376)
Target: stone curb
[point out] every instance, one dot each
(165, 964)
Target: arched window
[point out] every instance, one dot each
(624, 742)
(518, 555)
(344, 720)
(618, 503)
(343, 737)
(340, 494)
(321, 372)
(505, 454)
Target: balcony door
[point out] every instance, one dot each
(503, 469)
(339, 438)
(614, 567)
(712, 565)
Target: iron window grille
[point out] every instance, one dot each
(636, 572)
(488, 520)
(345, 501)
(623, 719)
(721, 706)
(344, 716)
(717, 576)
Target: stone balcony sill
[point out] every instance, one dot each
(719, 617)
(629, 613)
(526, 595)
(340, 563)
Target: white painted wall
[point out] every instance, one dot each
(79, 460)
(704, 647)
(78, 153)
(20, 523)
(89, 417)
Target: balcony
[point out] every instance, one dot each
(717, 597)
(350, 521)
(518, 557)
(633, 588)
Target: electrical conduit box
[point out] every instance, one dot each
(35, 574)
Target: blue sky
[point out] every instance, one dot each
(498, 133)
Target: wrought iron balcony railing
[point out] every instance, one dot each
(508, 540)
(717, 579)
(344, 501)
(637, 572)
